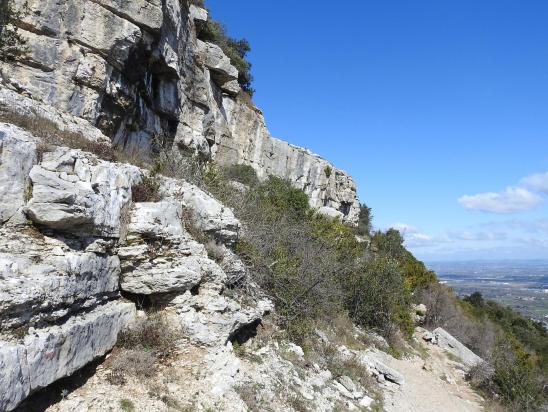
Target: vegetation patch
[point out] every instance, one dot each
(235, 49)
(147, 190)
(12, 45)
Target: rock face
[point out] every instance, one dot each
(17, 155)
(139, 72)
(73, 192)
(72, 241)
(159, 256)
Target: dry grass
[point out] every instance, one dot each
(248, 394)
(154, 334)
(52, 135)
(215, 251)
(138, 363)
(147, 190)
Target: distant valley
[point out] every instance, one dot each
(522, 285)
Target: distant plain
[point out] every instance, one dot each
(520, 284)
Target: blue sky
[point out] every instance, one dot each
(438, 109)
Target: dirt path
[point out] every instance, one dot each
(432, 384)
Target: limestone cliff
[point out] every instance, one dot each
(139, 72)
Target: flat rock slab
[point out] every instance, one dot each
(52, 353)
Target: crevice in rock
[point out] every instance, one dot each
(40, 319)
(152, 302)
(244, 333)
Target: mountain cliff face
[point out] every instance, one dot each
(138, 71)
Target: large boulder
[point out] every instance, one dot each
(209, 318)
(54, 352)
(446, 341)
(206, 213)
(43, 279)
(223, 73)
(74, 192)
(159, 256)
(17, 156)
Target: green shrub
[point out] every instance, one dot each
(280, 196)
(416, 275)
(12, 45)
(328, 171)
(514, 378)
(127, 405)
(389, 243)
(364, 220)
(377, 298)
(242, 173)
(235, 49)
(147, 190)
(531, 334)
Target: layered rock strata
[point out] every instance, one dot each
(72, 242)
(139, 72)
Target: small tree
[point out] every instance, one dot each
(12, 45)
(364, 220)
(390, 243)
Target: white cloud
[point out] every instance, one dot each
(404, 228)
(538, 182)
(513, 199)
(531, 226)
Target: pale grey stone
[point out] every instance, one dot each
(212, 57)
(452, 345)
(207, 213)
(17, 156)
(59, 351)
(42, 279)
(75, 192)
(14, 375)
(347, 383)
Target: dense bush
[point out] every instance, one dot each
(513, 347)
(235, 49)
(533, 335)
(389, 243)
(147, 190)
(244, 174)
(376, 296)
(307, 262)
(416, 275)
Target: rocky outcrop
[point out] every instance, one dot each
(159, 256)
(17, 158)
(75, 250)
(51, 353)
(72, 241)
(76, 193)
(139, 72)
(446, 341)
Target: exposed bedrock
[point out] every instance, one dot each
(139, 72)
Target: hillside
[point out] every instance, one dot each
(160, 250)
